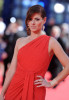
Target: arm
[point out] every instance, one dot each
(11, 70)
(56, 48)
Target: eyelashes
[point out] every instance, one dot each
(36, 19)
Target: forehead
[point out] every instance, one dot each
(36, 15)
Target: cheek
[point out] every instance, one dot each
(29, 24)
(39, 25)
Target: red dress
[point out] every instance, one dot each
(33, 59)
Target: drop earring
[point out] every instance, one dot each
(43, 28)
(28, 26)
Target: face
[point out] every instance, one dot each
(36, 22)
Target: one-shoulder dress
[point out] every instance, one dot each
(32, 59)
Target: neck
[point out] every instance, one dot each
(36, 34)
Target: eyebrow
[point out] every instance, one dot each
(36, 18)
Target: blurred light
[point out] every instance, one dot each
(65, 28)
(41, 3)
(12, 19)
(56, 31)
(59, 8)
(2, 27)
(20, 28)
(68, 8)
(26, 2)
(34, 2)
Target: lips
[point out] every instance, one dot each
(33, 27)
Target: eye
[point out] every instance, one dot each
(37, 19)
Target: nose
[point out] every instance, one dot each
(33, 21)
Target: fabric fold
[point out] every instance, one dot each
(33, 59)
(27, 93)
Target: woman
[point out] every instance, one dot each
(32, 56)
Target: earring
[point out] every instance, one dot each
(28, 25)
(43, 28)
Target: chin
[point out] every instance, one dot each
(34, 30)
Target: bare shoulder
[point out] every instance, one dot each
(53, 43)
(20, 41)
(55, 47)
(53, 40)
